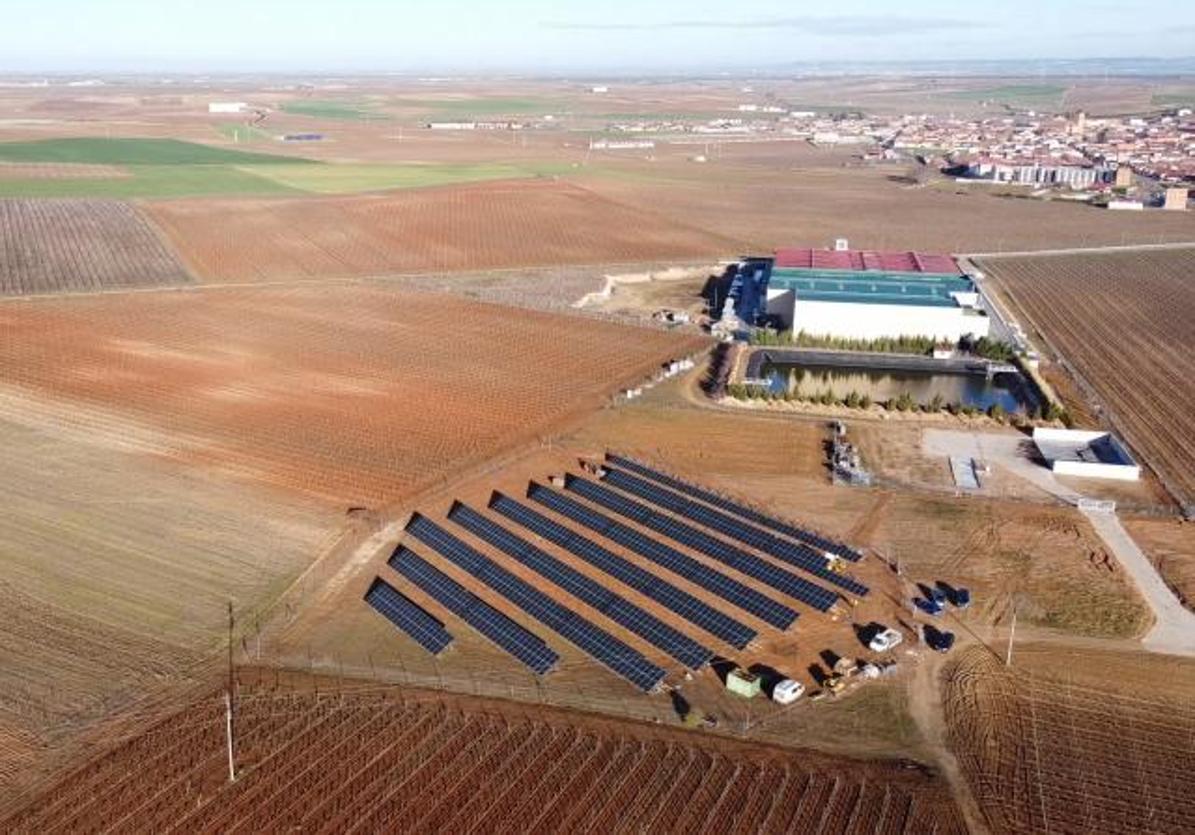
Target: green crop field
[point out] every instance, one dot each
(1013, 94)
(167, 168)
(153, 181)
(464, 107)
(340, 178)
(243, 133)
(133, 152)
(332, 110)
(1172, 99)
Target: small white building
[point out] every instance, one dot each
(1085, 454)
(227, 107)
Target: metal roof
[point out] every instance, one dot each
(866, 259)
(872, 287)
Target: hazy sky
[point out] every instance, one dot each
(463, 36)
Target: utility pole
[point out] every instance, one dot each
(1011, 633)
(232, 774)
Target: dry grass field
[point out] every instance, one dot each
(1123, 322)
(355, 394)
(57, 246)
(1170, 546)
(344, 758)
(1075, 742)
(115, 574)
(497, 225)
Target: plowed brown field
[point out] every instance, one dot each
(1075, 742)
(352, 394)
(1125, 322)
(56, 246)
(393, 760)
(512, 224)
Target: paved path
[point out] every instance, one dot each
(1173, 632)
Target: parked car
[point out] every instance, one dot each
(787, 691)
(884, 640)
(937, 639)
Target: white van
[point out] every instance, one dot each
(787, 691)
(885, 640)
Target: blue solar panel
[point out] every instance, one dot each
(755, 567)
(649, 585)
(794, 553)
(620, 610)
(620, 658)
(408, 616)
(523, 645)
(746, 598)
(801, 535)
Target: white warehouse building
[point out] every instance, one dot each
(869, 295)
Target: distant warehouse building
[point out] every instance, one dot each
(859, 294)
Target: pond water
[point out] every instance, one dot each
(1008, 390)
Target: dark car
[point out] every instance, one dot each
(937, 639)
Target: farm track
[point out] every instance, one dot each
(341, 761)
(1122, 321)
(67, 246)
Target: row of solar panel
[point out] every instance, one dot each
(800, 555)
(601, 645)
(408, 616)
(692, 609)
(799, 534)
(506, 633)
(617, 608)
(755, 567)
(729, 589)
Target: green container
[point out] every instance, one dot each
(743, 683)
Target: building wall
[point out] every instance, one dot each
(1119, 472)
(872, 321)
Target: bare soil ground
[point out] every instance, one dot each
(1077, 741)
(55, 246)
(514, 224)
(1122, 321)
(51, 171)
(332, 755)
(349, 393)
(1170, 546)
(780, 194)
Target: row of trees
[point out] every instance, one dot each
(905, 402)
(883, 345)
(992, 349)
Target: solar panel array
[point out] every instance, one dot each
(808, 537)
(676, 600)
(523, 645)
(617, 608)
(755, 567)
(794, 553)
(408, 616)
(603, 646)
(746, 598)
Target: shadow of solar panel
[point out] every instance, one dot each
(753, 566)
(620, 610)
(508, 635)
(797, 554)
(591, 639)
(729, 589)
(647, 584)
(811, 538)
(408, 616)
